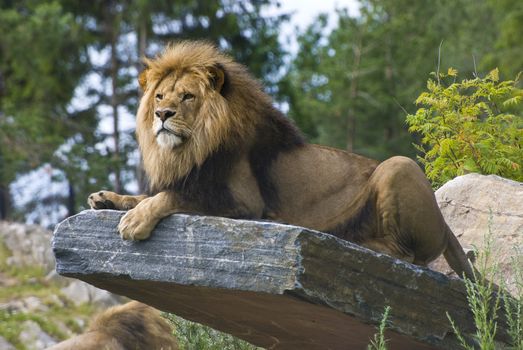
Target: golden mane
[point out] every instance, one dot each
(226, 119)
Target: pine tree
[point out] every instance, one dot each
(40, 67)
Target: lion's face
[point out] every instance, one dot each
(177, 101)
(191, 108)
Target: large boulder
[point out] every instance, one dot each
(30, 246)
(477, 207)
(276, 286)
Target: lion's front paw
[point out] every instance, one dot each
(134, 225)
(102, 200)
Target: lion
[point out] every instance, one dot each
(213, 144)
(125, 327)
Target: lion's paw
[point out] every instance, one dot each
(102, 200)
(135, 225)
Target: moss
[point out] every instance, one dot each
(30, 281)
(70, 314)
(50, 321)
(31, 284)
(12, 324)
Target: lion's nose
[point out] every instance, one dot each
(165, 113)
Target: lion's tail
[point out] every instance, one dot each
(456, 257)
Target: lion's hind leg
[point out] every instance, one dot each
(409, 223)
(111, 200)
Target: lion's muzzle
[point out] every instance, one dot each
(164, 113)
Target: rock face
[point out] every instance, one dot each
(276, 286)
(28, 244)
(34, 338)
(5, 345)
(25, 259)
(82, 293)
(475, 204)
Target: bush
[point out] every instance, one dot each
(469, 126)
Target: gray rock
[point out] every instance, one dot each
(5, 345)
(34, 338)
(82, 293)
(29, 245)
(475, 204)
(25, 305)
(55, 300)
(54, 278)
(33, 304)
(276, 286)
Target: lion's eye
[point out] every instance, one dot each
(159, 96)
(187, 97)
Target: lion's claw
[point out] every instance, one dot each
(107, 204)
(100, 200)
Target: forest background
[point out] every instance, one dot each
(69, 91)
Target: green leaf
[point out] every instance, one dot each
(452, 72)
(493, 75)
(511, 102)
(470, 166)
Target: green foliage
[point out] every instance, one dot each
(25, 281)
(194, 336)
(469, 126)
(513, 308)
(379, 342)
(508, 52)
(487, 302)
(68, 67)
(39, 69)
(351, 87)
(484, 304)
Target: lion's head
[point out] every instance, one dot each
(196, 100)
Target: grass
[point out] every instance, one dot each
(12, 324)
(30, 281)
(379, 342)
(194, 336)
(487, 303)
(52, 321)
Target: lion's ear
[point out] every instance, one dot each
(217, 77)
(142, 79)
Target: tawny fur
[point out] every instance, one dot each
(126, 327)
(223, 120)
(225, 150)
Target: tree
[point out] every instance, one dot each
(469, 126)
(113, 36)
(354, 85)
(40, 66)
(508, 55)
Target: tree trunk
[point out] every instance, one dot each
(5, 201)
(353, 93)
(390, 130)
(114, 106)
(71, 199)
(141, 177)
